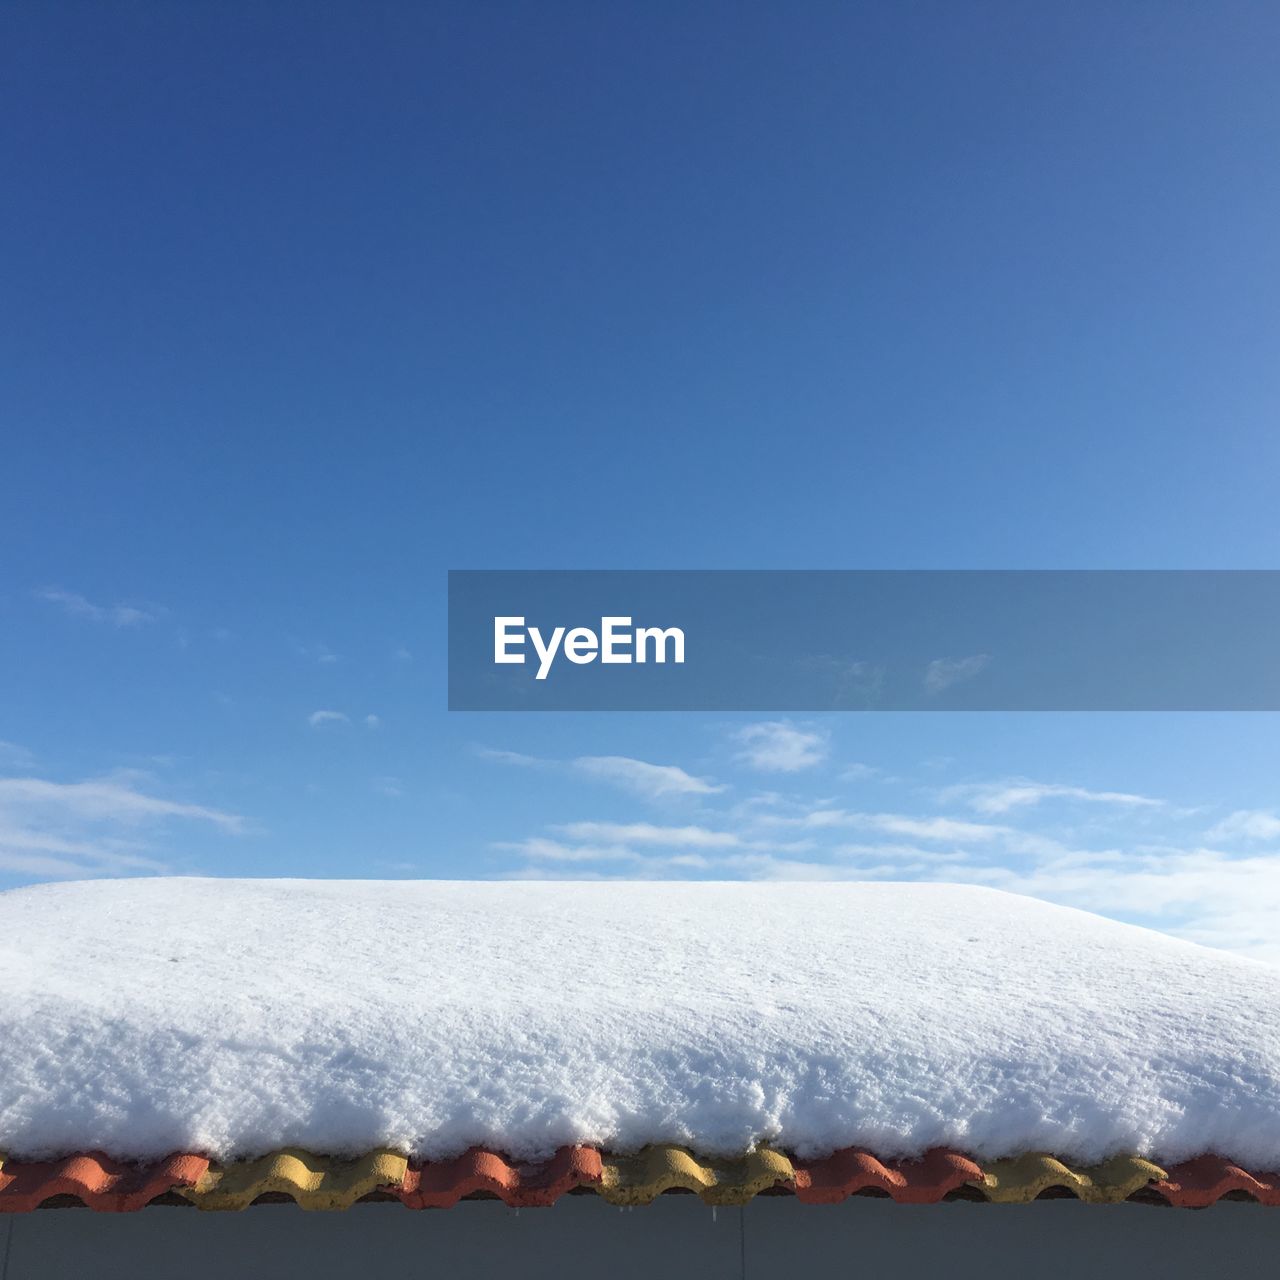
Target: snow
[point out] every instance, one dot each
(233, 1017)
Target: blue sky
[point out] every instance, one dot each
(301, 315)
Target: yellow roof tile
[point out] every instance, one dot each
(1021, 1180)
(315, 1182)
(639, 1179)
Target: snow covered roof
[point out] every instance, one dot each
(329, 1040)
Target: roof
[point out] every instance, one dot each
(322, 1183)
(622, 1039)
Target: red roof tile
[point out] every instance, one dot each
(96, 1181)
(923, 1181)
(1200, 1182)
(438, 1186)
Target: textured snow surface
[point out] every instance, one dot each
(142, 1017)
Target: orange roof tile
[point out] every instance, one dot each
(845, 1173)
(96, 1181)
(438, 1186)
(322, 1182)
(1201, 1182)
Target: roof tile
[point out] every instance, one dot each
(319, 1182)
(639, 1179)
(314, 1182)
(439, 1185)
(1200, 1182)
(95, 1180)
(923, 1181)
(1021, 1180)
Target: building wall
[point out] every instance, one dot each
(677, 1236)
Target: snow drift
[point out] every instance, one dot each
(234, 1017)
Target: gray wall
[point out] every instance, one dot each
(676, 1236)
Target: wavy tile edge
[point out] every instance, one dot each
(318, 1182)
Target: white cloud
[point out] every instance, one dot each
(1247, 824)
(320, 654)
(903, 857)
(498, 756)
(856, 772)
(653, 781)
(540, 848)
(635, 864)
(548, 859)
(948, 829)
(318, 718)
(106, 799)
(1019, 793)
(956, 831)
(1200, 894)
(372, 721)
(116, 615)
(942, 673)
(95, 827)
(769, 866)
(919, 828)
(776, 746)
(649, 834)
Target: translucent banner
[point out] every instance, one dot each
(859, 640)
